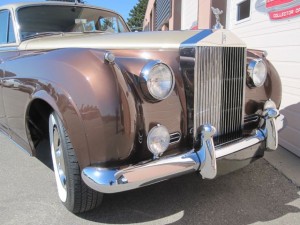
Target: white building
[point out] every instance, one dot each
(271, 25)
(274, 26)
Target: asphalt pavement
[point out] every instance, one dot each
(257, 194)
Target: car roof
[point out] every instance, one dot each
(15, 6)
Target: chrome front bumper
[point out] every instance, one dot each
(204, 160)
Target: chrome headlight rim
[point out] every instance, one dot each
(144, 78)
(250, 69)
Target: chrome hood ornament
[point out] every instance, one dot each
(217, 12)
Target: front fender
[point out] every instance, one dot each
(92, 98)
(100, 99)
(255, 97)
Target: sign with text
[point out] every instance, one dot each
(272, 3)
(285, 13)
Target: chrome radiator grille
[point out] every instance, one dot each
(219, 91)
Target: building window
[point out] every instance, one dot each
(243, 10)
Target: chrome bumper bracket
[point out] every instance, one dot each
(207, 152)
(270, 129)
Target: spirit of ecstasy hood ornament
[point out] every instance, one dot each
(217, 12)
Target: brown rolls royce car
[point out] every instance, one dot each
(115, 110)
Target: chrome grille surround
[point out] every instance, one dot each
(219, 81)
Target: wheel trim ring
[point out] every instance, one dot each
(59, 156)
(61, 188)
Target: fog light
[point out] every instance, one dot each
(158, 140)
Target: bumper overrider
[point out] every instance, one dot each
(205, 159)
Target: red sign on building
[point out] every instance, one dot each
(285, 13)
(272, 3)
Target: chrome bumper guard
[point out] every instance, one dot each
(204, 160)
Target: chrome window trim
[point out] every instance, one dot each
(16, 27)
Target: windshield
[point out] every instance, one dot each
(40, 19)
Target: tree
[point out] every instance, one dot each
(137, 14)
(107, 24)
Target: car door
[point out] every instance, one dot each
(4, 15)
(13, 96)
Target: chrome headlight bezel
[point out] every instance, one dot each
(253, 76)
(145, 78)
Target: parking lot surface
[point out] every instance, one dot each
(257, 194)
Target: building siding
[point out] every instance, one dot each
(281, 39)
(163, 12)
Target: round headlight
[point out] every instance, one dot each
(158, 140)
(257, 71)
(157, 80)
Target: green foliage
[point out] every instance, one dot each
(137, 14)
(107, 24)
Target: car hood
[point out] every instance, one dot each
(133, 40)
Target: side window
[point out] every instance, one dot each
(3, 26)
(11, 32)
(7, 33)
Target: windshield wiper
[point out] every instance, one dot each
(42, 34)
(95, 31)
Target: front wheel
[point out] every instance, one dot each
(72, 191)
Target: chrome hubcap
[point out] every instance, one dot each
(60, 165)
(58, 159)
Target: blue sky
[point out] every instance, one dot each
(121, 6)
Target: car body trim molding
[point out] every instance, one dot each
(198, 37)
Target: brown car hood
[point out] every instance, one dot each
(133, 40)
